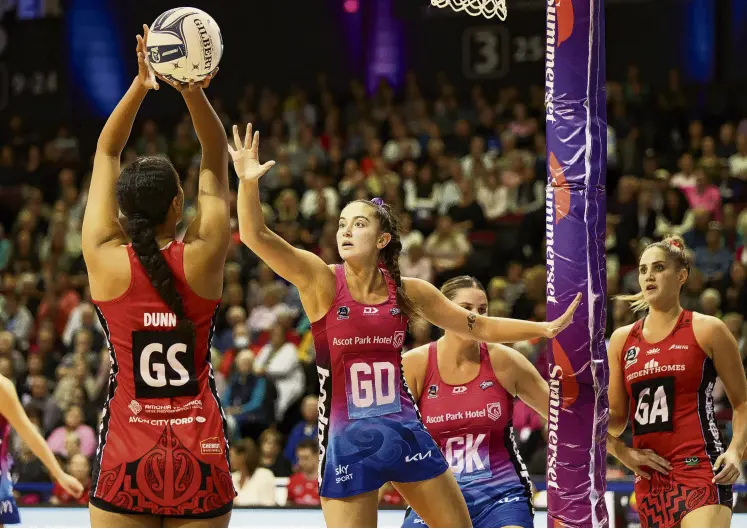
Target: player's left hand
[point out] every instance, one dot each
(71, 485)
(192, 85)
(727, 466)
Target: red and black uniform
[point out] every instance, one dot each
(670, 385)
(162, 442)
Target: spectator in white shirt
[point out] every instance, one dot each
(317, 185)
(278, 360)
(422, 194)
(447, 248)
(415, 263)
(264, 316)
(738, 161)
(686, 176)
(477, 162)
(255, 486)
(401, 146)
(493, 197)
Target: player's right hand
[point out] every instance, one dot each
(245, 155)
(635, 459)
(555, 327)
(71, 485)
(145, 74)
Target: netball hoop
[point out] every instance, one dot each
(476, 8)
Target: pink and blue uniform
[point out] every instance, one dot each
(370, 430)
(8, 507)
(472, 425)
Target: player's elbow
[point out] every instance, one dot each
(617, 424)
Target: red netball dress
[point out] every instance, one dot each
(670, 385)
(162, 441)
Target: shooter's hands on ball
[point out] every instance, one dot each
(557, 326)
(635, 459)
(71, 485)
(145, 74)
(728, 465)
(245, 155)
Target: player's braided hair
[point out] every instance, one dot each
(389, 257)
(145, 191)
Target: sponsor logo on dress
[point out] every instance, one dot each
(211, 446)
(177, 421)
(692, 461)
(135, 407)
(653, 351)
(494, 410)
(459, 390)
(631, 357)
(678, 347)
(653, 367)
(200, 419)
(418, 457)
(341, 471)
(370, 310)
(343, 313)
(399, 339)
(485, 385)
(394, 311)
(433, 392)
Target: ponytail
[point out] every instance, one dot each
(143, 235)
(389, 259)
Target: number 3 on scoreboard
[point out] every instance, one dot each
(485, 52)
(372, 389)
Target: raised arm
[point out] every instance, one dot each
(304, 269)
(100, 222)
(19, 421)
(211, 225)
(441, 312)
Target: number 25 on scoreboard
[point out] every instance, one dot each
(372, 389)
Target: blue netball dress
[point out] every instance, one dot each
(8, 507)
(370, 430)
(472, 424)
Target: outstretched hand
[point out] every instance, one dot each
(555, 327)
(145, 74)
(245, 155)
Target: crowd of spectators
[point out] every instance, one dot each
(467, 173)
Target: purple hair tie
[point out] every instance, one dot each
(378, 201)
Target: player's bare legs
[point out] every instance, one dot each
(708, 516)
(101, 518)
(438, 501)
(218, 521)
(360, 510)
